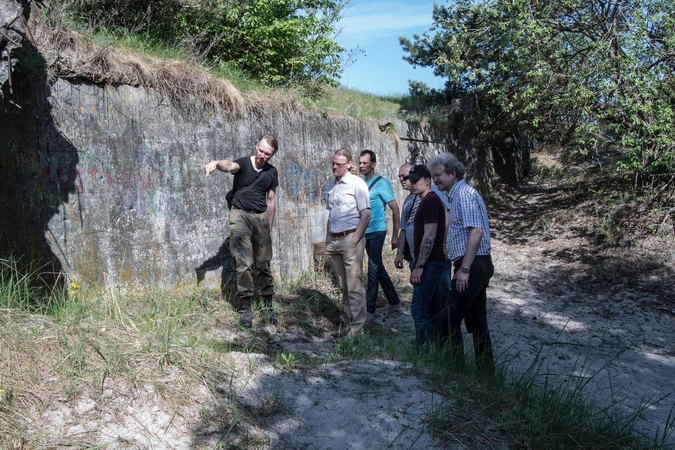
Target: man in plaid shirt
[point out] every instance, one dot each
(468, 247)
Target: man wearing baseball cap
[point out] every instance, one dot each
(428, 276)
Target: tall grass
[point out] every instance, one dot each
(15, 288)
(105, 347)
(353, 103)
(21, 289)
(533, 409)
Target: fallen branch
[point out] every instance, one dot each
(666, 217)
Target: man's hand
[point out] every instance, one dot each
(224, 165)
(210, 167)
(394, 241)
(398, 262)
(461, 281)
(416, 276)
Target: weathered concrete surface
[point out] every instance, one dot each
(106, 183)
(12, 33)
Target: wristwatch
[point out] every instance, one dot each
(465, 269)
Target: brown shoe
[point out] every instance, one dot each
(340, 332)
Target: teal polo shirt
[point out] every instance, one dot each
(380, 195)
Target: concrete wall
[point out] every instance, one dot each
(12, 33)
(106, 183)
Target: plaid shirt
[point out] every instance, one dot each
(467, 209)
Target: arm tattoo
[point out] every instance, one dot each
(425, 251)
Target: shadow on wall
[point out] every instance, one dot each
(37, 173)
(223, 258)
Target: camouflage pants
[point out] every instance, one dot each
(251, 248)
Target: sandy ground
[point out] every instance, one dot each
(619, 341)
(619, 337)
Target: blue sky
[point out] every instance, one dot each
(375, 26)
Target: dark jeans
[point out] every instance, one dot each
(427, 302)
(470, 306)
(377, 274)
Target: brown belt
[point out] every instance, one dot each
(343, 233)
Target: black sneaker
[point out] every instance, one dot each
(201, 274)
(246, 318)
(272, 318)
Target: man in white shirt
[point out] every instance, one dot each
(348, 205)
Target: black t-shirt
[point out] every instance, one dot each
(430, 210)
(254, 199)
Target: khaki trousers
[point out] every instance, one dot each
(346, 259)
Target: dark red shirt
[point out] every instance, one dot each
(430, 210)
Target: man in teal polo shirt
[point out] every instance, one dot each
(381, 196)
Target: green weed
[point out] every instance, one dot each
(287, 360)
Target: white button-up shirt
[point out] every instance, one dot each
(345, 201)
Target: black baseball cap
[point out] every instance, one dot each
(417, 172)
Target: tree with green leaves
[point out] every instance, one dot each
(590, 75)
(275, 41)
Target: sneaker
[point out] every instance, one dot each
(201, 274)
(381, 302)
(370, 318)
(393, 308)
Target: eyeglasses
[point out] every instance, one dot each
(403, 177)
(339, 164)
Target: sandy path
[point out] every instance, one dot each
(618, 339)
(622, 338)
